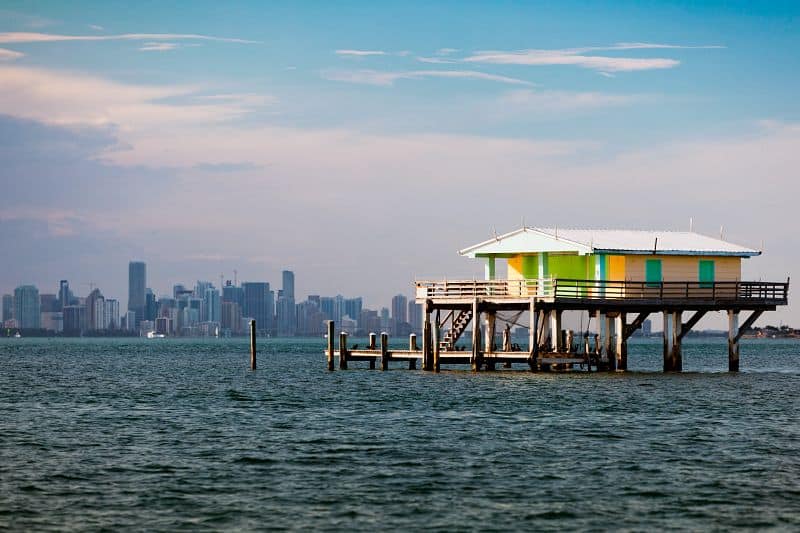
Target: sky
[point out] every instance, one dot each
(361, 144)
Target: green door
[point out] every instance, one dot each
(653, 272)
(706, 274)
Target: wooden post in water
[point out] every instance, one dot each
(733, 340)
(673, 360)
(427, 355)
(330, 345)
(343, 351)
(476, 336)
(412, 347)
(437, 341)
(570, 338)
(621, 348)
(507, 343)
(372, 340)
(533, 337)
(384, 351)
(252, 345)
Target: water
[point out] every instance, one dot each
(172, 434)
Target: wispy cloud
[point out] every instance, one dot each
(387, 79)
(578, 57)
(57, 97)
(530, 101)
(31, 37)
(436, 60)
(158, 47)
(96, 27)
(446, 51)
(360, 53)
(9, 55)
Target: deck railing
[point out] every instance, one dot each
(771, 293)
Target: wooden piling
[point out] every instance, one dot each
(733, 340)
(673, 360)
(252, 345)
(427, 355)
(475, 360)
(384, 351)
(621, 344)
(372, 341)
(437, 342)
(343, 351)
(412, 347)
(330, 345)
(533, 339)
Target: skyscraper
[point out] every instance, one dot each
(212, 307)
(137, 283)
(26, 307)
(415, 316)
(64, 295)
(258, 304)
(96, 310)
(400, 309)
(111, 314)
(288, 284)
(8, 307)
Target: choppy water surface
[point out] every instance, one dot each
(170, 434)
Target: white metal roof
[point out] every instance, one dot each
(583, 241)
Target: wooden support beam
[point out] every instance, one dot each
(330, 345)
(343, 351)
(556, 340)
(673, 359)
(385, 357)
(252, 345)
(372, 341)
(748, 323)
(476, 336)
(620, 342)
(631, 328)
(687, 326)
(427, 356)
(412, 347)
(491, 317)
(735, 333)
(608, 345)
(533, 336)
(437, 342)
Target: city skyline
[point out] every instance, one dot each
(205, 140)
(201, 310)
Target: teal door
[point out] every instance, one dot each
(706, 274)
(652, 272)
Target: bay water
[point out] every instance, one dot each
(175, 434)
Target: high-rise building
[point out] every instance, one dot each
(352, 307)
(150, 305)
(399, 310)
(212, 306)
(415, 316)
(231, 317)
(288, 284)
(95, 310)
(74, 319)
(326, 305)
(258, 304)
(137, 284)
(231, 293)
(64, 294)
(8, 307)
(385, 321)
(111, 314)
(27, 308)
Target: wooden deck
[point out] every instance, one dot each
(634, 296)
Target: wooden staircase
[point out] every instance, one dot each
(460, 323)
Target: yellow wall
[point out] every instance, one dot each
(683, 268)
(515, 267)
(616, 267)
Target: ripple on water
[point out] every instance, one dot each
(125, 434)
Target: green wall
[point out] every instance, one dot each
(567, 266)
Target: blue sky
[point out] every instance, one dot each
(172, 131)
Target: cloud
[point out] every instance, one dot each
(552, 101)
(436, 60)
(96, 27)
(57, 97)
(360, 53)
(566, 57)
(387, 79)
(9, 55)
(158, 47)
(577, 57)
(446, 51)
(31, 37)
